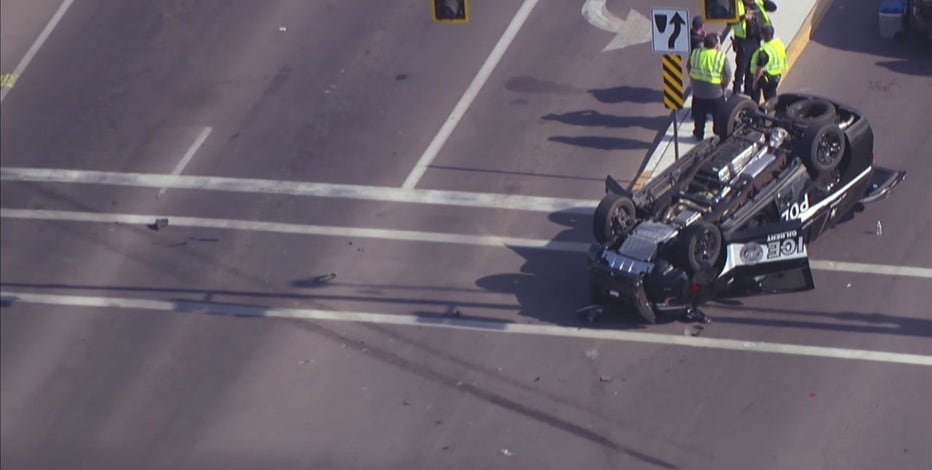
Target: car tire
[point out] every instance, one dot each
(701, 248)
(735, 108)
(615, 214)
(811, 111)
(823, 148)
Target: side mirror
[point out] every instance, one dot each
(720, 10)
(450, 11)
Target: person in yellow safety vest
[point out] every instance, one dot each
(709, 74)
(768, 64)
(747, 36)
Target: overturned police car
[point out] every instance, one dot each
(733, 217)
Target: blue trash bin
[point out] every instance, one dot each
(890, 20)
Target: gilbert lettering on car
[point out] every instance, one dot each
(734, 217)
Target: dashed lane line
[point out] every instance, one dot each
(34, 48)
(201, 137)
(11, 298)
(398, 235)
(469, 95)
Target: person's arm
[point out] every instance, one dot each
(762, 60)
(727, 73)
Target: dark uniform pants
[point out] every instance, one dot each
(744, 49)
(702, 107)
(768, 85)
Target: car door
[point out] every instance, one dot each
(771, 259)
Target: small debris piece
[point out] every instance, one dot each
(537, 379)
(605, 379)
(282, 29)
(507, 452)
(592, 354)
(848, 285)
(812, 395)
(879, 229)
(158, 224)
(406, 403)
(694, 330)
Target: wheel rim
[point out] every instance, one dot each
(828, 149)
(705, 244)
(620, 220)
(742, 116)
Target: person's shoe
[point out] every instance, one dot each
(699, 137)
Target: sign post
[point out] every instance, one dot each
(674, 95)
(670, 38)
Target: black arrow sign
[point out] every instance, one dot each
(677, 21)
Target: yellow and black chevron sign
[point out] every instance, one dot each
(673, 94)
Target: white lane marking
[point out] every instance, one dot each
(34, 48)
(865, 268)
(398, 235)
(469, 95)
(298, 188)
(298, 229)
(189, 154)
(633, 30)
(465, 324)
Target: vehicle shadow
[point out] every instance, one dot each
(552, 285)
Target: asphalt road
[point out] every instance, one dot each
(353, 93)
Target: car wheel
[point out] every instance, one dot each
(737, 110)
(616, 214)
(811, 111)
(823, 147)
(701, 247)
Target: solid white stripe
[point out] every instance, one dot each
(298, 229)
(400, 235)
(466, 324)
(34, 48)
(298, 188)
(469, 95)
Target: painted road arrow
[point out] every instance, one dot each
(628, 32)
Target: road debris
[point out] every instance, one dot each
(694, 330)
(879, 229)
(282, 29)
(507, 452)
(158, 224)
(324, 278)
(605, 379)
(592, 354)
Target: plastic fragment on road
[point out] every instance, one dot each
(879, 229)
(507, 452)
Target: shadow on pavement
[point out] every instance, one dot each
(852, 25)
(552, 285)
(596, 119)
(627, 94)
(601, 143)
(879, 323)
(525, 84)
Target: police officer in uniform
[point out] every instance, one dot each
(710, 74)
(768, 64)
(747, 36)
